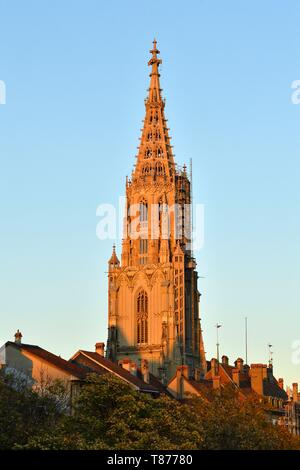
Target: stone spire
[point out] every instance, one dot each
(155, 158)
(154, 90)
(114, 260)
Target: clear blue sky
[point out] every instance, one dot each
(76, 76)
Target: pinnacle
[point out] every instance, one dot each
(155, 157)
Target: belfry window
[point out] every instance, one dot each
(143, 211)
(146, 170)
(142, 317)
(143, 246)
(160, 170)
(143, 258)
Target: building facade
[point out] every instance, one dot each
(39, 369)
(153, 297)
(255, 382)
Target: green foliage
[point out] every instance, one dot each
(23, 412)
(109, 414)
(230, 423)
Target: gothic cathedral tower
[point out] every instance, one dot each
(153, 298)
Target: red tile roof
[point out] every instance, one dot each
(270, 385)
(100, 364)
(155, 382)
(203, 386)
(94, 363)
(272, 389)
(57, 361)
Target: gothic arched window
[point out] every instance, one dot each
(142, 317)
(148, 153)
(160, 169)
(146, 170)
(159, 152)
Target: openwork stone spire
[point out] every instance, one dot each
(154, 90)
(154, 159)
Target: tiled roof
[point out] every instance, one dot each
(57, 361)
(248, 392)
(270, 385)
(228, 369)
(100, 364)
(272, 389)
(203, 386)
(155, 382)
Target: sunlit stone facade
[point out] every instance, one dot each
(153, 297)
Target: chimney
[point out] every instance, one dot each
(184, 371)
(239, 364)
(133, 368)
(295, 392)
(198, 374)
(181, 372)
(258, 373)
(281, 383)
(246, 370)
(128, 365)
(236, 376)
(99, 348)
(214, 365)
(18, 337)
(225, 360)
(145, 370)
(125, 364)
(265, 371)
(216, 382)
(162, 375)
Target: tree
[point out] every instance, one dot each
(230, 422)
(109, 414)
(24, 413)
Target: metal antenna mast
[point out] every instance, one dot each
(191, 205)
(246, 338)
(218, 344)
(270, 355)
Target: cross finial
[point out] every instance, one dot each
(154, 61)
